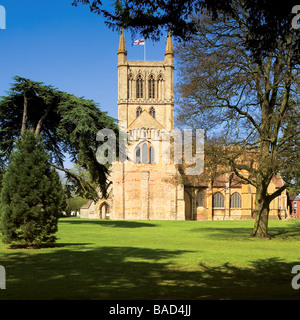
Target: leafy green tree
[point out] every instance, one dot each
(67, 124)
(267, 20)
(248, 107)
(74, 204)
(70, 184)
(290, 169)
(259, 59)
(74, 201)
(32, 197)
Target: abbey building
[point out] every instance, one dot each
(145, 186)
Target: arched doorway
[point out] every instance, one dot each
(104, 211)
(188, 206)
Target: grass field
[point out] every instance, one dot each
(113, 260)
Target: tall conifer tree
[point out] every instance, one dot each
(32, 196)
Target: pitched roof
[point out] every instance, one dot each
(145, 120)
(87, 205)
(218, 182)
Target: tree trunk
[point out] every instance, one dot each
(262, 208)
(38, 128)
(261, 223)
(25, 116)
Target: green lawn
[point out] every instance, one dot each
(156, 260)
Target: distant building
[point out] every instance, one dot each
(295, 206)
(144, 188)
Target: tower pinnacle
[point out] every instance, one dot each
(169, 45)
(169, 53)
(122, 52)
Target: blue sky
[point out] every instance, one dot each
(67, 47)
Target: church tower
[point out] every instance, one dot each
(144, 186)
(146, 86)
(147, 184)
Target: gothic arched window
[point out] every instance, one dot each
(235, 200)
(218, 200)
(151, 155)
(138, 111)
(138, 155)
(160, 87)
(200, 198)
(152, 112)
(130, 87)
(151, 87)
(139, 87)
(145, 153)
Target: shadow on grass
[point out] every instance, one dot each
(220, 232)
(287, 233)
(109, 223)
(116, 273)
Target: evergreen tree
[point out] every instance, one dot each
(68, 126)
(32, 196)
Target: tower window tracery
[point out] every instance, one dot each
(130, 87)
(144, 153)
(152, 112)
(151, 155)
(160, 87)
(138, 111)
(139, 87)
(151, 87)
(138, 155)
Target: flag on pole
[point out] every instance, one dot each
(140, 42)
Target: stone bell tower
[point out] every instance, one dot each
(146, 84)
(144, 186)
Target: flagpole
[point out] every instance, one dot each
(143, 43)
